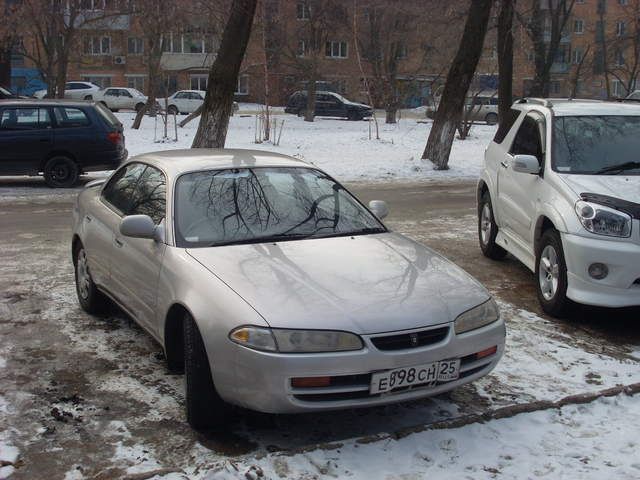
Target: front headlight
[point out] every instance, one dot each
(477, 317)
(603, 220)
(295, 341)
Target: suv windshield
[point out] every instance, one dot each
(596, 144)
(254, 205)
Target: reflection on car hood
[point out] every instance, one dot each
(625, 187)
(364, 284)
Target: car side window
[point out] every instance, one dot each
(180, 95)
(67, 117)
(121, 187)
(150, 196)
(111, 92)
(25, 118)
(527, 140)
(125, 93)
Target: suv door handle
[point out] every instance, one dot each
(118, 242)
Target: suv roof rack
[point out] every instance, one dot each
(545, 102)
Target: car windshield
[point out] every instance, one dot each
(136, 93)
(596, 144)
(253, 205)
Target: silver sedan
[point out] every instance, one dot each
(273, 288)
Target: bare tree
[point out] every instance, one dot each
(457, 85)
(546, 42)
(624, 41)
(505, 58)
(223, 76)
(10, 14)
(578, 71)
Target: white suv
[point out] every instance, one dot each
(560, 190)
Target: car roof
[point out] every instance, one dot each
(177, 162)
(193, 91)
(560, 107)
(34, 102)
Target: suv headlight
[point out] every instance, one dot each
(295, 341)
(603, 220)
(477, 317)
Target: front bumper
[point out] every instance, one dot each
(262, 380)
(621, 287)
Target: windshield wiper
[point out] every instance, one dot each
(368, 230)
(265, 239)
(619, 168)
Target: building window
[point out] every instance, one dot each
(577, 55)
(198, 82)
(103, 81)
(174, 43)
(302, 48)
(621, 28)
(619, 58)
(554, 87)
(336, 49)
(193, 44)
(618, 89)
(135, 46)
(623, 2)
(97, 45)
(401, 50)
(578, 26)
(243, 85)
(135, 81)
(302, 11)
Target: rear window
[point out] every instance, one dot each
(506, 124)
(107, 116)
(70, 117)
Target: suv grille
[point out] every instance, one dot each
(410, 340)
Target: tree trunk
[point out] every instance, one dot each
(505, 58)
(457, 85)
(5, 65)
(195, 114)
(153, 86)
(61, 74)
(223, 76)
(310, 113)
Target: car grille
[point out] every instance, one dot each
(405, 341)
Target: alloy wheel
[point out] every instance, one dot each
(549, 272)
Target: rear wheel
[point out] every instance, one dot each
(491, 118)
(61, 172)
(488, 229)
(172, 110)
(90, 298)
(551, 275)
(354, 116)
(88, 97)
(205, 408)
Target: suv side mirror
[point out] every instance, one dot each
(379, 208)
(138, 226)
(526, 164)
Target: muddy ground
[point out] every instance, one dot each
(90, 397)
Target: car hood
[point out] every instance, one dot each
(356, 104)
(624, 187)
(363, 284)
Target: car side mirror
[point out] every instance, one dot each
(140, 226)
(526, 164)
(379, 208)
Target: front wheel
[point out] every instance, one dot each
(488, 229)
(90, 298)
(205, 408)
(551, 275)
(354, 116)
(61, 172)
(172, 110)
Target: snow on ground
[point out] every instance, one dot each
(340, 147)
(592, 441)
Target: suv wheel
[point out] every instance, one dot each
(491, 118)
(205, 408)
(61, 172)
(488, 229)
(551, 275)
(90, 298)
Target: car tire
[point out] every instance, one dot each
(172, 110)
(90, 298)
(551, 275)
(301, 113)
(488, 229)
(88, 97)
(61, 172)
(138, 107)
(491, 118)
(204, 407)
(354, 116)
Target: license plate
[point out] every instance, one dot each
(443, 371)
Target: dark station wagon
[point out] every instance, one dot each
(60, 139)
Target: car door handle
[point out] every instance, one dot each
(88, 218)
(504, 164)
(118, 242)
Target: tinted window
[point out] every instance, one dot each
(25, 118)
(244, 205)
(107, 116)
(120, 189)
(505, 125)
(587, 144)
(70, 117)
(150, 195)
(180, 95)
(527, 141)
(111, 92)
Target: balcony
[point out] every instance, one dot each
(186, 61)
